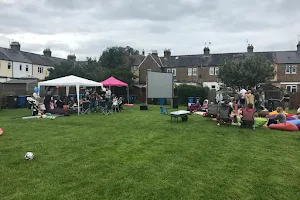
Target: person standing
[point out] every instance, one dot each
(107, 94)
(249, 98)
(286, 101)
(242, 97)
(47, 101)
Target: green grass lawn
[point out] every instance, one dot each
(142, 155)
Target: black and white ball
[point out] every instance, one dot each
(29, 156)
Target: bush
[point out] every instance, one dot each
(185, 91)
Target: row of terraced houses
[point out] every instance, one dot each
(203, 68)
(191, 69)
(17, 64)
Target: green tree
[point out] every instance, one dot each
(113, 57)
(247, 72)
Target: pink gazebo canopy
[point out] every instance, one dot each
(113, 82)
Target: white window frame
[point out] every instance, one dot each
(294, 69)
(216, 70)
(291, 88)
(194, 71)
(287, 69)
(173, 72)
(190, 71)
(42, 69)
(211, 71)
(169, 70)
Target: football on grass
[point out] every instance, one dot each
(29, 156)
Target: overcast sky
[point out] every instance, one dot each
(87, 27)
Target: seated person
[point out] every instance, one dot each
(59, 103)
(279, 118)
(248, 115)
(51, 106)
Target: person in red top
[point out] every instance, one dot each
(248, 116)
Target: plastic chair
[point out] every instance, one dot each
(163, 110)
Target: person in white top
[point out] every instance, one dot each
(108, 93)
(242, 99)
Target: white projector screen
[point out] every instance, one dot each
(159, 85)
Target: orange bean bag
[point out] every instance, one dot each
(127, 104)
(284, 127)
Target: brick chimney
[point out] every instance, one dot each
(250, 48)
(206, 50)
(15, 46)
(154, 52)
(47, 52)
(72, 57)
(298, 47)
(167, 53)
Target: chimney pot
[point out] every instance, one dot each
(250, 48)
(15, 46)
(206, 51)
(154, 52)
(167, 53)
(72, 57)
(47, 52)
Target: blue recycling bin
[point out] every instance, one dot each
(133, 99)
(191, 99)
(21, 101)
(162, 101)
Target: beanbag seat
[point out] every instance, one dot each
(259, 122)
(127, 104)
(284, 127)
(294, 121)
(289, 115)
(275, 113)
(288, 118)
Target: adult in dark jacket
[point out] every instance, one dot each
(47, 101)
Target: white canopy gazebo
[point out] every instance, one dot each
(71, 80)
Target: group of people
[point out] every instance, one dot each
(90, 95)
(243, 98)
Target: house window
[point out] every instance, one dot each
(190, 71)
(216, 70)
(9, 65)
(211, 71)
(169, 71)
(294, 69)
(213, 87)
(20, 67)
(134, 68)
(174, 72)
(194, 71)
(291, 88)
(26, 68)
(287, 69)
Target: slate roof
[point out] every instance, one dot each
(287, 57)
(16, 56)
(209, 60)
(3, 57)
(136, 60)
(37, 59)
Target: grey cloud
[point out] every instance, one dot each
(184, 25)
